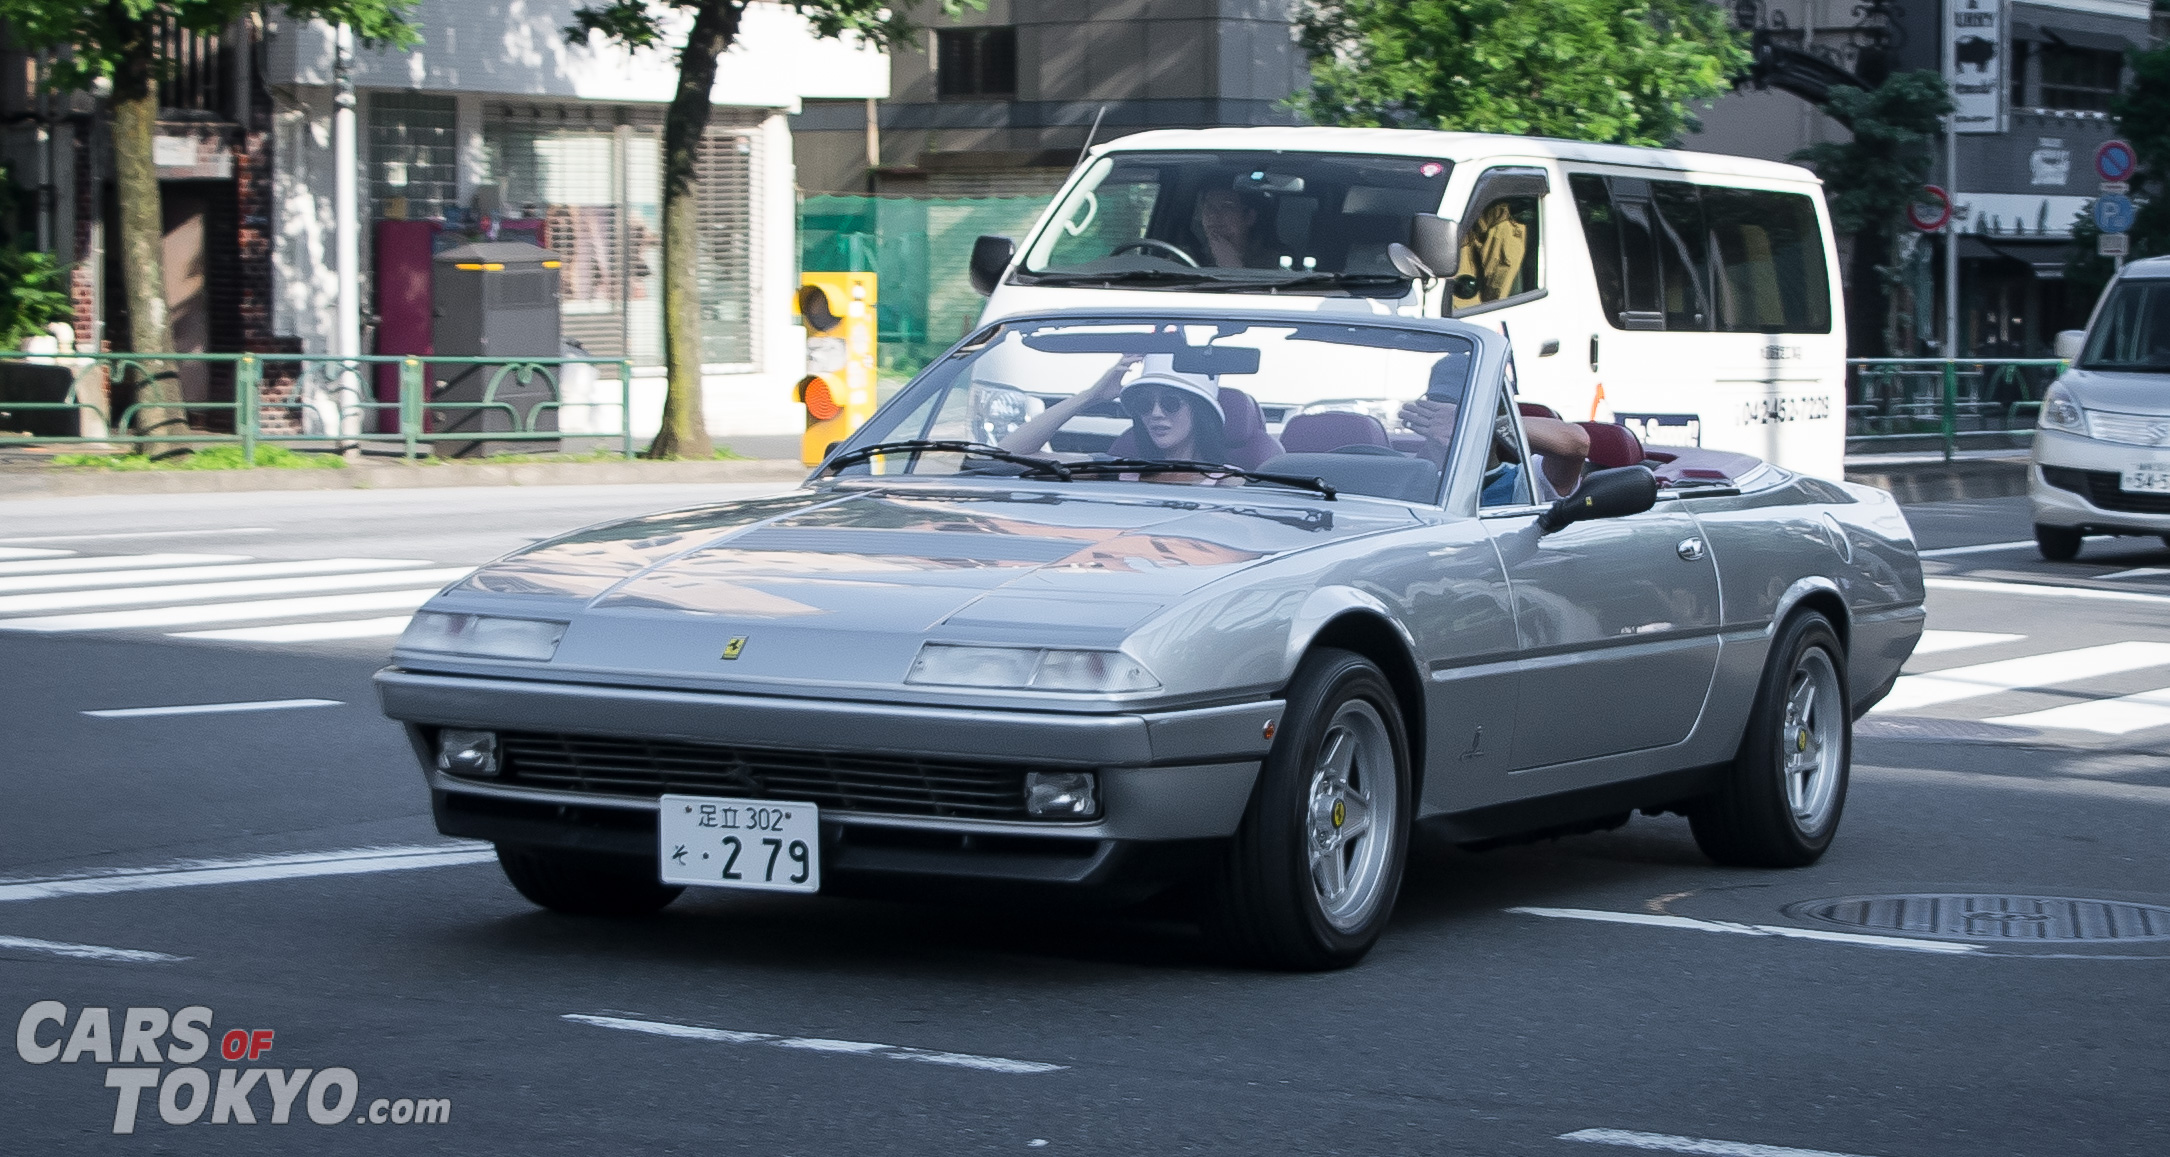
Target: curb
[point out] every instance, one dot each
(1960, 481)
(62, 482)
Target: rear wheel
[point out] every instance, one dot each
(2060, 543)
(1310, 879)
(583, 883)
(1780, 803)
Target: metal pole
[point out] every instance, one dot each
(248, 376)
(346, 236)
(1951, 237)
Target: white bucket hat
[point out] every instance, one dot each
(1159, 370)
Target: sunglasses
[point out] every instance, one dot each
(1140, 402)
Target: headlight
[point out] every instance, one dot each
(2061, 412)
(483, 636)
(1035, 668)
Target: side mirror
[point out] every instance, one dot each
(2068, 343)
(1611, 493)
(990, 258)
(1431, 238)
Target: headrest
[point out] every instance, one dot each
(1537, 410)
(1320, 433)
(1612, 445)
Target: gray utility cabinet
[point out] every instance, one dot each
(493, 299)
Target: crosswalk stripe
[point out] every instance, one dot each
(200, 613)
(86, 580)
(1917, 691)
(26, 552)
(1936, 642)
(305, 632)
(114, 562)
(197, 592)
(2122, 715)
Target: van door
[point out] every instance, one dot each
(1509, 278)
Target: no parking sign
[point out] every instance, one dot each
(2115, 161)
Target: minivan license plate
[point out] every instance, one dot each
(2146, 479)
(762, 844)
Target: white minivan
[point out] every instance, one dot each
(1688, 296)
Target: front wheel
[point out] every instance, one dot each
(1779, 804)
(2060, 543)
(585, 884)
(1310, 878)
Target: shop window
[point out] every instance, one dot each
(2084, 79)
(413, 170)
(975, 62)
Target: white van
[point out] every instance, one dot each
(1689, 296)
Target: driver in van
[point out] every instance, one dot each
(1228, 224)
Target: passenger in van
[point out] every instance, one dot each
(1228, 224)
(1559, 449)
(1492, 253)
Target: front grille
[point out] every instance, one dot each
(892, 785)
(2129, 429)
(2101, 488)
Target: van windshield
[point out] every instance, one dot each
(2133, 333)
(1237, 220)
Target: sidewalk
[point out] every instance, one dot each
(38, 481)
(1972, 474)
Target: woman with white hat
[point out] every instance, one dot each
(1174, 416)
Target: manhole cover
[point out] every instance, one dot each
(2044, 919)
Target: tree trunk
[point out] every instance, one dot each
(685, 428)
(143, 234)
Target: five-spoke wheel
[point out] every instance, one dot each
(1778, 805)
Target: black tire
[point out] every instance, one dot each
(2060, 543)
(585, 884)
(1265, 907)
(2166, 540)
(1754, 819)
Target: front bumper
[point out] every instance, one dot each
(1166, 778)
(2073, 482)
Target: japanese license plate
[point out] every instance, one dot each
(2146, 478)
(763, 844)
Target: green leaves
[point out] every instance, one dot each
(1596, 70)
(99, 35)
(637, 24)
(1870, 179)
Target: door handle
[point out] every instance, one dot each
(1551, 346)
(1690, 549)
(1593, 353)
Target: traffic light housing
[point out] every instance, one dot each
(838, 389)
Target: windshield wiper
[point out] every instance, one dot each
(1186, 466)
(1128, 277)
(947, 446)
(1298, 280)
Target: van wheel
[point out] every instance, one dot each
(1310, 879)
(1780, 802)
(585, 884)
(2061, 543)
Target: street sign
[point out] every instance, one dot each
(2115, 187)
(2113, 244)
(2113, 213)
(1929, 209)
(2115, 161)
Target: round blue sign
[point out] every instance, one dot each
(2113, 213)
(2114, 161)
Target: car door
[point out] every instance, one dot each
(1617, 620)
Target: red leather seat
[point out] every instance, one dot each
(1612, 445)
(1537, 410)
(1244, 430)
(1322, 433)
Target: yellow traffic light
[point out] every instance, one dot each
(838, 389)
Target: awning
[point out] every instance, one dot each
(2046, 257)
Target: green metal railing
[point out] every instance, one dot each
(1945, 401)
(337, 395)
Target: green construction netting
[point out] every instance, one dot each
(919, 247)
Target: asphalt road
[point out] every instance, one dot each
(279, 869)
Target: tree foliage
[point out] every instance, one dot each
(1871, 179)
(33, 288)
(2142, 113)
(1595, 70)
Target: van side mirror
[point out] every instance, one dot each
(1613, 493)
(990, 258)
(2068, 343)
(1431, 238)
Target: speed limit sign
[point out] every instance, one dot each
(1929, 210)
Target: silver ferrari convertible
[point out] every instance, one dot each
(1215, 600)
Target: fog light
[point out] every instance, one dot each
(1061, 793)
(462, 752)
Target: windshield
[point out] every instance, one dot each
(1245, 218)
(1157, 403)
(2133, 332)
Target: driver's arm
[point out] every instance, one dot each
(1565, 445)
(1033, 435)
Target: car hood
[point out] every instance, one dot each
(2125, 393)
(851, 579)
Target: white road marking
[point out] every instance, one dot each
(184, 616)
(1984, 548)
(2043, 590)
(115, 562)
(2122, 715)
(1698, 1145)
(2137, 572)
(2107, 789)
(139, 534)
(211, 708)
(1650, 920)
(192, 874)
(85, 580)
(86, 951)
(19, 552)
(247, 588)
(1913, 692)
(384, 628)
(1934, 642)
(815, 1044)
